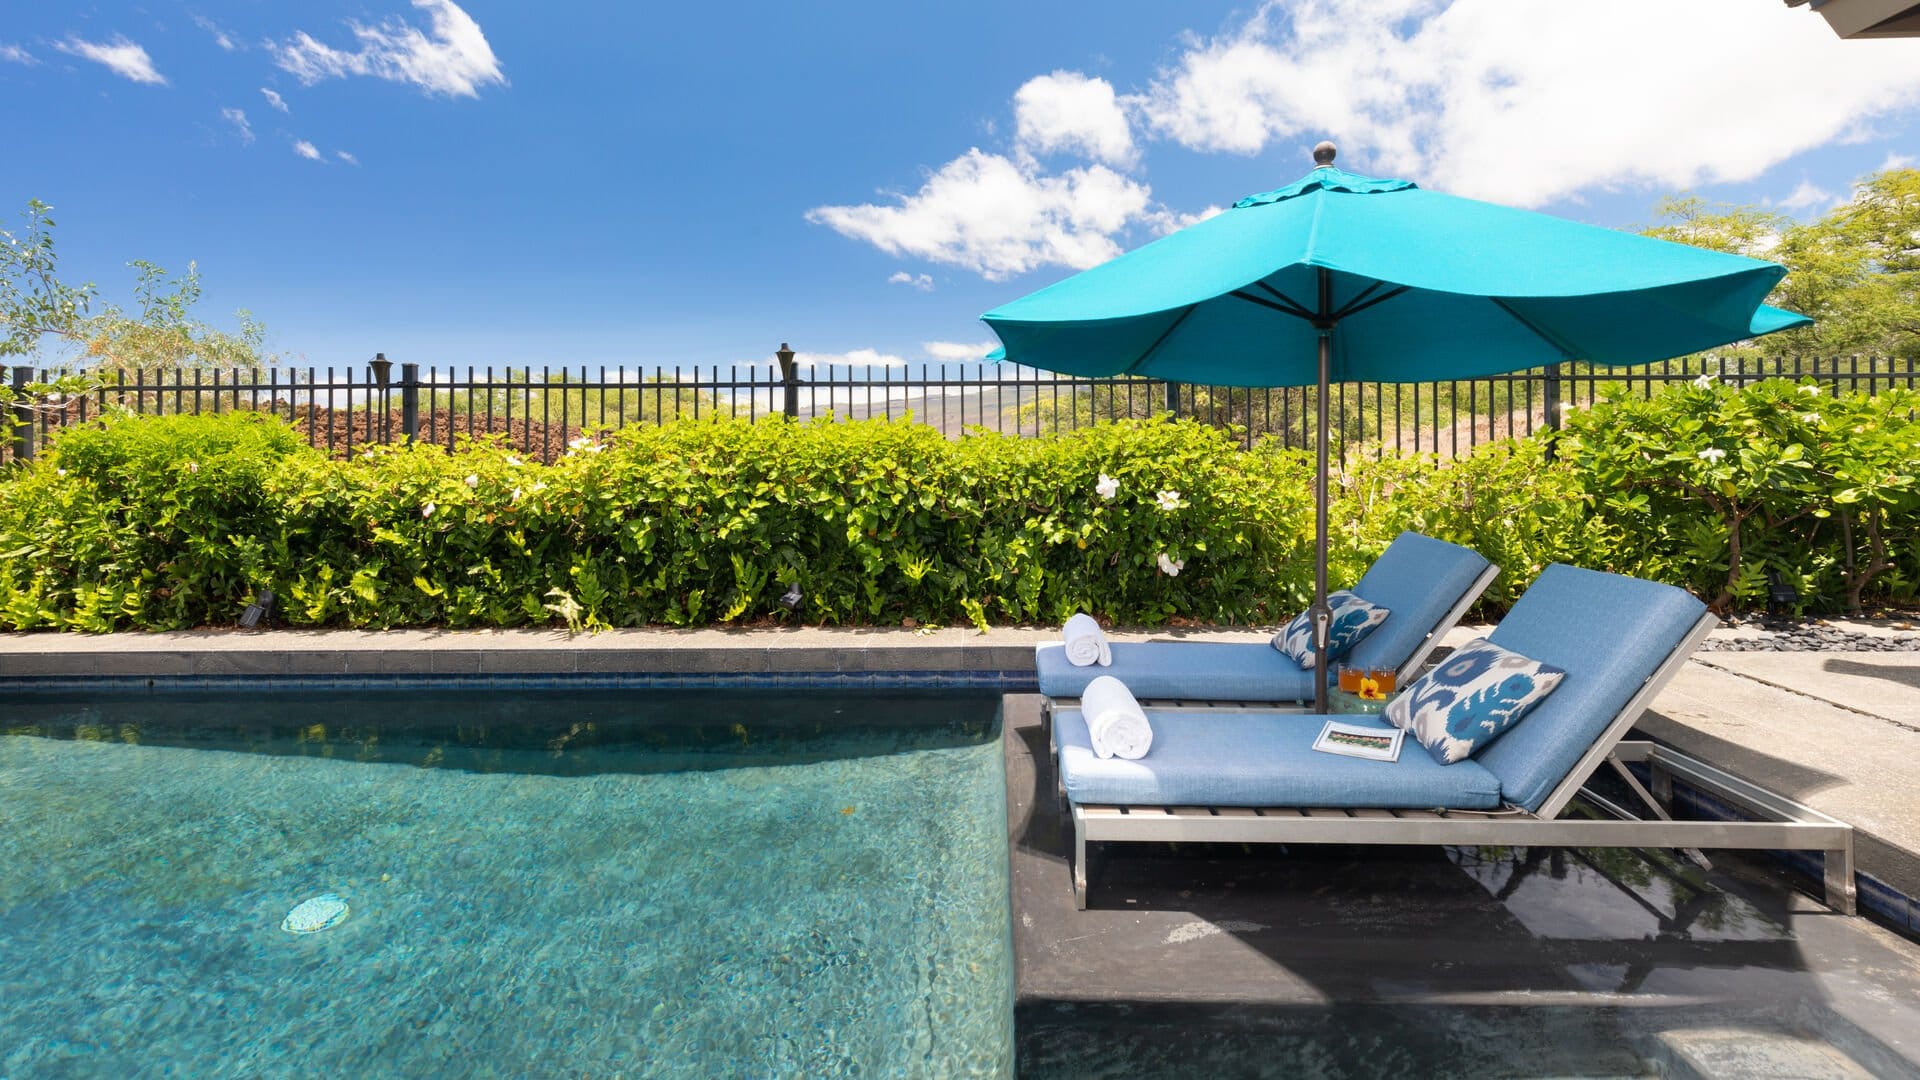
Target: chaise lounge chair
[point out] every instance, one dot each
(1426, 584)
(1251, 776)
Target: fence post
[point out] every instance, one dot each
(409, 401)
(789, 379)
(1550, 394)
(22, 416)
(1173, 399)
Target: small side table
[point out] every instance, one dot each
(1341, 703)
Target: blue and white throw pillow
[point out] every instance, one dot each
(1353, 619)
(1460, 707)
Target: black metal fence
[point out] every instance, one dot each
(541, 410)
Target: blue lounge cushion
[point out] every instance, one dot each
(1472, 698)
(1206, 670)
(1609, 633)
(1417, 578)
(1352, 619)
(1259, 759)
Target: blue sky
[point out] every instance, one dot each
(610, 183)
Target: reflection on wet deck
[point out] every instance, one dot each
(1222, 960)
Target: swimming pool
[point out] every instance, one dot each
(646, 883)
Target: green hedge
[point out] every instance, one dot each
(1713, 488)
(689, 524)
(159, 523)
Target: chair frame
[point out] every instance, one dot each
(1783, 825)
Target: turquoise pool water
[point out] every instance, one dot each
(635, 883)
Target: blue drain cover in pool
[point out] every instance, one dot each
(315, 915)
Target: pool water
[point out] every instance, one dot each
(635, 883)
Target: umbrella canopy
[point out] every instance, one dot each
(1338, 277)
(1475, 289)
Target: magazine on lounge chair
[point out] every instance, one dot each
(1361, 742)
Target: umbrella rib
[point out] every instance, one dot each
(1299, 308)
(1157, 342)
(1355, 306)
(1286, 308)
(1565, 352)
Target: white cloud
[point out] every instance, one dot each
(122, 57)
(1067, 111)
(346, 157)
(274, 99)
(452, 58)
(1898, 161)
(1808, 196)
(220, 37)
(855, 358)
(1166, 221)
(307, 150)
(238, 118)
(957, 351)
(999, 218)
(14, 54)
(1528, 103)
(922, 282)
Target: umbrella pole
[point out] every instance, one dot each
(1322, 615)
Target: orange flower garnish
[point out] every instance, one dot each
(1370, 690)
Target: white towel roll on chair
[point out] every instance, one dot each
(1086, 642)
(1116, 723)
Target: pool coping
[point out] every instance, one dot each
(660, 651)
(470, 653)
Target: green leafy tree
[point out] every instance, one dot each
(43, 316)
(1736, 230)
(1855, 270)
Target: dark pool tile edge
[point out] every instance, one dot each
(1002, 681)
(217, 663)
(109, 665)
(412, 659)
(54, 664)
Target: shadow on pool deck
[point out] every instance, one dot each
(1218, 960)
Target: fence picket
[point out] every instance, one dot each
(351, 406)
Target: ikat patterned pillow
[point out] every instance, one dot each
(1353, 619)
(1460, 707)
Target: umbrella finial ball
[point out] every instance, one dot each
(1323, 155)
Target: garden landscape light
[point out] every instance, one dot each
(1781, 597)
(261, 608)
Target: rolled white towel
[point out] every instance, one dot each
(1086, 642)
(1115, 721)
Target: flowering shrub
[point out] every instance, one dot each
(1716, 489)
(688, 524)
(1507, 501)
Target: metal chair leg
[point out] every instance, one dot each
(1842, 895)
(1694, 855)
(1079, 867)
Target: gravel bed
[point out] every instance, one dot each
(1762, 634)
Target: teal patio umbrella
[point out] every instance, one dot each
(1338, 277)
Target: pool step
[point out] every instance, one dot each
(1716, 1053)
